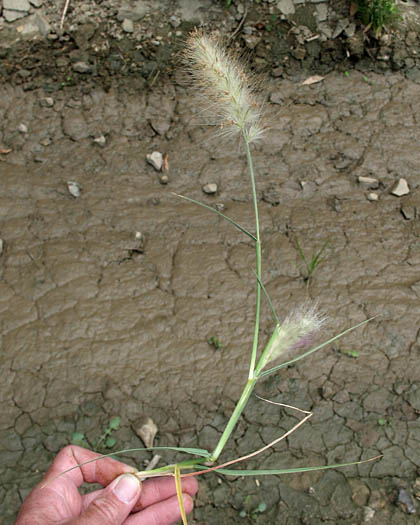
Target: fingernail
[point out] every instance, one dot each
(127, 488)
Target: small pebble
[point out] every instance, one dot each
(155, 159)
(210, 188)
(371, 182)
(23, 128)
(164, 179)
(405, 502)
(401, 188)
(82, 67)
(128, 25)
(409, 212)
(139, 236)
(174, 21)
(74, 188)
(1, 246)
(368, 514)
(46, 102)
(372, 196)
(101, 141)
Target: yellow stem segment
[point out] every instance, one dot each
(178, 486)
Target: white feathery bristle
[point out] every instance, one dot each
(296, 331)
(220, 77)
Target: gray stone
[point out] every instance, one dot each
(369, 182)
(372, 196)
(174, 21)
(82, 67)
(128, 25)
(46, 102)
(341, 25)
(160, 125)
(74, 188)
(42, 23)
(29, 29)
(401, 188)
(321, 12)
(74, 126)
(24, 73)
(409, 212)
(133, 14)
(368, 514)
(210, 188)
(350, 30)
(23, 128)
(11, 15)
(286, 7)
(101, 141)
(1, 246)
(405, 502)
(155, 159)
(16, 5)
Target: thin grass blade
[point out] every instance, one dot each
(178, 486)
(277, 472)
(193, 451)
(318, 255)
(276, 319)
(309, 352)
(238, 226)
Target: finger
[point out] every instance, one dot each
(155, 490)
(113, 504)
(163, 513)
(102, 471)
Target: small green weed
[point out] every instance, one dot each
(215, 343)
(315, 260)
(106, 438)
(78, 438)
(384, 421)
(108, 441)
(376, 14)
(252, 514)
(351, 353)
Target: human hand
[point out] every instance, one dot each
(123, 501)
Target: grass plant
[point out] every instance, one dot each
(311, 264)
(223, 82)
(377, 15)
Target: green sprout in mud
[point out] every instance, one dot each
(105, 439)
(215, 342)
(311, 264)
(221, 79)
(252, 513)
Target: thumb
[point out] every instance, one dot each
(114, 503)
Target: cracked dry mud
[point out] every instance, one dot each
(96, 322)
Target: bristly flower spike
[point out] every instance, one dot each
(296, 331)
(220, 77)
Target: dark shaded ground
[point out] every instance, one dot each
(97, 322)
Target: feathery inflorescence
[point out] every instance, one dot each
(220, 77)
(296, 331)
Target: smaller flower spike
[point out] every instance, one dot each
(296, 331)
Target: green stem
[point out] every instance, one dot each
(252, 379)
(258, 259)
(249, 387)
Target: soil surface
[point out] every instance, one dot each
(112, 288)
